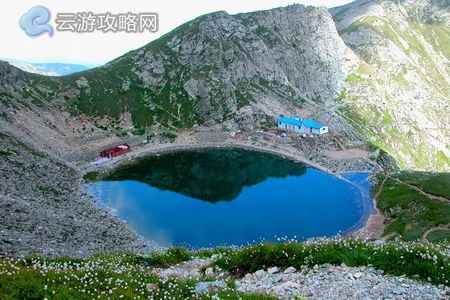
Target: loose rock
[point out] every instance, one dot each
(209, 286)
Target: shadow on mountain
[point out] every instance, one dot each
(209, 175)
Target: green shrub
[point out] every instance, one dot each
(5, 153)
(169, 136)
(90, 176)
(163, 260)
(138, 131)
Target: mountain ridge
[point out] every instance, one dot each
(240, 71)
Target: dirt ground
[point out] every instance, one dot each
(348, 154)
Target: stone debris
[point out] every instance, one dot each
(209, 271)
(49, 214)
(185, 270)
(290, 270)
(209, 286)
(319, 282)
(338, 282)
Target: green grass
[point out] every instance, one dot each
(398, 259)
(48, 190)
(439, 236)
(409, 213)
(163, 260)
(353, 78)
(400, 79)
(443, 161)
(432, 183)
(90, 176)
(139, 131)
(5, 153)
(387, 119)
(126, 276)
(99, 277)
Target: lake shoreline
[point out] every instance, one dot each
(160, 149)
(365, 230)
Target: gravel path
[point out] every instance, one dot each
(432, 197)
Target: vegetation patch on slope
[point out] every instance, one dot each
(99, 277)
(433, 183)
(394, 258)
(409, 213)
(404, 59)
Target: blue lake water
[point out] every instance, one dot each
(232, 197)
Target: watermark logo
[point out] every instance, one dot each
(35, 21)
(89, 22)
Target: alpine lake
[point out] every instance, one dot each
(214, 197)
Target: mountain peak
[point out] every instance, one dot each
(370, 71)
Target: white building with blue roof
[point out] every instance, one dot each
(297, 124)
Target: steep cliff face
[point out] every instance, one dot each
(398, 95)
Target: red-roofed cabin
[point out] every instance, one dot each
(116, 151)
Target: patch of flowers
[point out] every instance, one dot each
(130, 276)
(101, 277)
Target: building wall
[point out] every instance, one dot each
(305, 129)
(302, 129)
(289, 127)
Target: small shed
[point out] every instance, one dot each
(116, 151)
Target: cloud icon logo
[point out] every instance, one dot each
(34, 22)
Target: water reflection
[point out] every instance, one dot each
(210, 175)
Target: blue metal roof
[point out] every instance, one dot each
(290, 121)
(312, 124)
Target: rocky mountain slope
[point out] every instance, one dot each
(44, 211)
(222, 68)
(389, 80)
(380, 67)
(398, 95)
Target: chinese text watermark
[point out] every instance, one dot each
(36, 22)
(106, 22)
